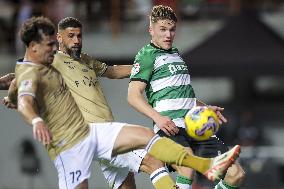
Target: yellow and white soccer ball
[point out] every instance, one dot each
(201, 123)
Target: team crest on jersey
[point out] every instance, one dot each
(25, 85)
(135, 69)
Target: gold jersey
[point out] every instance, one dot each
(81, 77)
(55, 104)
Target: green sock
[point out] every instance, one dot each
(224, 185)
(183, 182)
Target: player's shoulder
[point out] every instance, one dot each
(26, 66)
(85, 56)
(147, 52)
(90, 60)
(174, 50)
(87, 59)
(25, 69)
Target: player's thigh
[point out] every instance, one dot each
(132, 137)
(103, 137)
(209, 148)
(181, 138)
(117, 170)
(73, 165)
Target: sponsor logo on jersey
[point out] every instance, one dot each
(25, 85)
(135, 69)
(70, 65)
(175, 68)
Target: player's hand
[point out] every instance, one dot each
(167, 125)
(7, 102)
(7, 79)
(218, 111)
(41, 133)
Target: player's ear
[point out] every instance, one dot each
(59, 37)
(33, 46)
(151, 30)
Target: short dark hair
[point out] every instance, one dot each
(161, 12)
(69, 22)
(34, 28)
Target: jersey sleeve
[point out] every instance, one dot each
(27, 82)
(142, 68)
(99, 67)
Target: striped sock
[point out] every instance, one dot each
(170, 152)
(224, 185)
(183, 182)
(161, 179)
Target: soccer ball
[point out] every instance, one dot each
(201, 123)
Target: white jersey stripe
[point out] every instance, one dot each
(166, 59)
(175, 104)
(175, 80)
(26, 93)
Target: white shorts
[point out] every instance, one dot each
(73, 165)
(116, 170)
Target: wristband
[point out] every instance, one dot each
(36, 120)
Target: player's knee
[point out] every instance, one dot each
(235, 175)
(147, 132)
(149, 164)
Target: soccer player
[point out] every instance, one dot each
(160, 71)
(6, 80)
(46, 103)
(81, 72)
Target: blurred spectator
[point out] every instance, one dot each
(190, 8)
(6, 24)
(248, 133)
(56, 10)
(24, 10)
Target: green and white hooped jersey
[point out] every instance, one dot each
(168, 87)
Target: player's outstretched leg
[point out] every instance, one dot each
(221, 163)
(170, 152)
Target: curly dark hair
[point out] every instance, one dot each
(34, 28)
(69, 22)
(161, 12)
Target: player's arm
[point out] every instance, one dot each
(27, 84)
(6, 80)
(217, 109)
(111, 72)
(137, 101)
(10, 101)
(118, 71)
(28, 109)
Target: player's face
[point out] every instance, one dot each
(163, 33)
(45, 49)
(70, 41)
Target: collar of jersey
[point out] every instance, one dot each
(153, 45)
(65, 54)
(22, 61)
